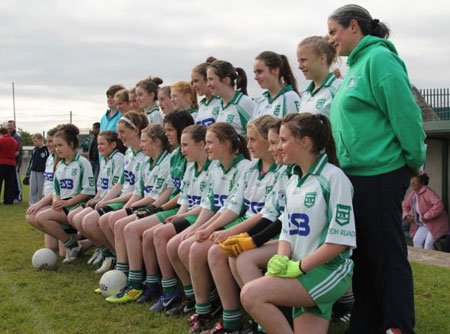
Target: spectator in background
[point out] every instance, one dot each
(36, 168)
(9, 149)
(112, 115)
(424, 210)
(15, 135)
(93, 150)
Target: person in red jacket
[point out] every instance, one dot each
(9, 149)
(423, 208)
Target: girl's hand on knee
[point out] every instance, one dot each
(202, 235)
(219, 236)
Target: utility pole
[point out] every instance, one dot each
(14, 103)
(71, 117)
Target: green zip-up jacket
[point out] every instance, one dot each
(377, 125)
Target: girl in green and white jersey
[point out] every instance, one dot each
(147, 97)
(183, 97)
(73, 184)
(209, 106)
(237, 107)
(315, 56)
(273, 72)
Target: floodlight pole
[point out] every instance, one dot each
(14, 103)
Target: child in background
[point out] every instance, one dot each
(36, 168)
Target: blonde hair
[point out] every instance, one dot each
(320, 45)
(122, 95)
(262, 125)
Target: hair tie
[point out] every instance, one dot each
(375, 23)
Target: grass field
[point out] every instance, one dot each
(63, 301)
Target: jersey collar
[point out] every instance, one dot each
(114, 113)
(204, 167)
(151, 111)
(315, 169)
(237, 96)
(283, 90)
(233, 163)
(205, 102)
(75, 158)
(261, 174)
(326, 83)
(135, 153)
(111, 155)
(158, 160)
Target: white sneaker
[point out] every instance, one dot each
(94, 256)
(98, 260)
(108, 264)
(72, 254)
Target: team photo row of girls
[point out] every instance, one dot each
(221, 208)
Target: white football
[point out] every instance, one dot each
(112, 282)
(44, 258)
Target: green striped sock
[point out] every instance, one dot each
(106, 253)
(204, 309)
(70, 243)
(213, 295)
(151, 280)
(169, 285)
(135, 278)
(188, 291)
(232, 318)
(123, 267)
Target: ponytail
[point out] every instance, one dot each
(241, 80)
(237, 75)
(243, 149)
(224, 132)
(318, 128)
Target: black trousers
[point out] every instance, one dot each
(382, 277)
(8, 174)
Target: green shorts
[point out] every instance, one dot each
(234, 222)
(325, 284)
(116, 206)
(163, 215)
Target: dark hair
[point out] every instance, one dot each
(69, 133)
(423, 178)
(276, 126)
(150, 85)
(224, 132)
(369, 26)
(275, 60)
(112, 90)
(318, 128)
(96, 125)
(52, 132)
(112, 137)
(320, 45)
(138, 120)
(179, 120)
(3, 131)
(156, 131)
(197, 132)
(201, 68)
(224, 69)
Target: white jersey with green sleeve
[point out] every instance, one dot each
(177, 169)
(48, 176)
(74, 178)
(132, 163)
(319, 100)
(238, 112)
(318, 210)
(285, 102)
(110, 172)
(251, 193)
(193, 112)
(276, 201)
(222, 183)
(155, 116)
(208, 111)
(193, 185)
(153, 175)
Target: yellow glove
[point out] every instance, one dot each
(231, 238)
(237, 246)
(276, 264)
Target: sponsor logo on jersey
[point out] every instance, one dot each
(215, 111)
(74, 171)
(159, 183)
(108, 171)
(268, 189)
(230, 118)
(343, 214)
(297, 105)
(91, 182)
(202, 186)
(310, 200)
(320, 103)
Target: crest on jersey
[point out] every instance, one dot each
(343, 214)
(230, 118)
(74, 171)
(310, 200)
(43, 155)
(108, 171)
(268, 189)
(91, 182)
(215, 111)
(353, 82)
(320, 103)
(276, 111)
(159, 183)
(202, 186)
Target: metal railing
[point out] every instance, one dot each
(439, 100)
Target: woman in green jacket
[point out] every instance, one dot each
(377, 127)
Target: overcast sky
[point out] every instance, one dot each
(63, 55)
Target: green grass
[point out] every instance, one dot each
(63, 301)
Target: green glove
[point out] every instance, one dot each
(276, 264)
